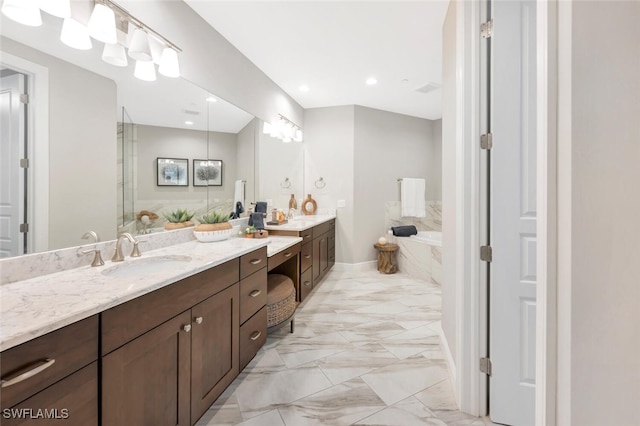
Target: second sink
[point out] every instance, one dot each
(146, 266)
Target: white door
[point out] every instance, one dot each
(512, 297)
(12, 177)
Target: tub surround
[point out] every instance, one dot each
(36, 306)
(420, 259)
(432, 221)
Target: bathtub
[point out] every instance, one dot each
(420, 255)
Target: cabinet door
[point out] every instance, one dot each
(146, 381)
(71, 401)
(324, 253)
(215, 343)
(316, 259)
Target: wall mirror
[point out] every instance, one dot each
(94, 166)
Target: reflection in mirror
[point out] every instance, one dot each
(107, 130)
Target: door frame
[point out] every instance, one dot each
(552, 105)
(38, 149)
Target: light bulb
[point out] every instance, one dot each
(169, 66)
(59, 8)
(102, 24)
(25, 12)
(114, 54)
(139, 47)
(75, 35)
(145, 70)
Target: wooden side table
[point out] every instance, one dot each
(387, 263)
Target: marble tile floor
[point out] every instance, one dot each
(365, 351)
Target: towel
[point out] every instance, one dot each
(404, 231)
(239, 192)
(261, 207)
(257, 220)
(412, 197)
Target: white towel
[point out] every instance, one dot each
(412, 198)
(239, 193)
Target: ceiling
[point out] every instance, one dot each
(333, 47)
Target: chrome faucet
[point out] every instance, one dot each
(291, 213)
(97, 258)
(135, 252)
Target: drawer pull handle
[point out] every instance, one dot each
(307, 256)
(255, 335)
(31, 371)
(199, 320)
(288, 254)
(187, 327)
(307, 283)
(255, 293)
(255, 261)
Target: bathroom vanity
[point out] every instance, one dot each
(137, 342)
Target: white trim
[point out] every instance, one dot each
(546, 184)
(355, 267)
(38, 148)
(471, 327)
(564, 211)
(448, 357)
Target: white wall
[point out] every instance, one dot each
(246, 160)
(82, 134)
(435, 162)
(449, 232)
(329, 153)
(604, 199)
(388, 146)
(211, 62)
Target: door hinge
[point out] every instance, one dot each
(24, 163)
(486, 254)
(24, 228)
(486, 141)
(485, 366)
(486, 29)
(24, 98)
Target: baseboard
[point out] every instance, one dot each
(355, 267)
(448, 357)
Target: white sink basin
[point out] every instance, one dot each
(146, 266)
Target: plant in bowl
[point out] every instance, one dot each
(249, 231)
(213, 221)
(181, 218)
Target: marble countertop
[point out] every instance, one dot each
(34, 307)
(301, 223)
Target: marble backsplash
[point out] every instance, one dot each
(431, 222)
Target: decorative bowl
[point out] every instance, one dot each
(211, 236)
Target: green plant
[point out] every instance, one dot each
(250, 230)
(214, 217)
(178, 216)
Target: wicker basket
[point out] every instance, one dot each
(281, 299)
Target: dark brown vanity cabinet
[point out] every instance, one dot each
(170, 372)
(55, 375)
(317, 254)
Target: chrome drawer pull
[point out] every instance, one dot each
(23, 375)
(288, 254)
(199, 320)
(308, 256)
(187, 327)
(255, 335)
(307, 283)
(255, 293)
(255, 261)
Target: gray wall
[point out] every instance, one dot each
(388, 146)
(605, 201)
(449, 230)
(246, 160)
(82, 137)
(211, 62)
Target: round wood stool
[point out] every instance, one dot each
(387, 258)
(281, 301)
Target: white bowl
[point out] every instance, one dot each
(211, 236)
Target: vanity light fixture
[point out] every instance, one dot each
(283, 129)
(59, 8)
(114, 54)
(139, 49)
(102, 24)
(169, 66)
(75, 35)
(25, 12)
(145, 71)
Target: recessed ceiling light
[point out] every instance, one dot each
(211, 99)
(188, 123)
(371, 81)
(304, 88)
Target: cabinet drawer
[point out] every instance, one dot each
(71, 401)
(306, 253)
(70, 348)
(253, 334)
(283, 256)
(125, 322)
(307, 235)
(253, 294)
(306, 283)
(323, 228)
(251, 262)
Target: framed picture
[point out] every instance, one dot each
(207, 172)
(173, 172)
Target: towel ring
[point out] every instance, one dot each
(286, 184)
(320, 183)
